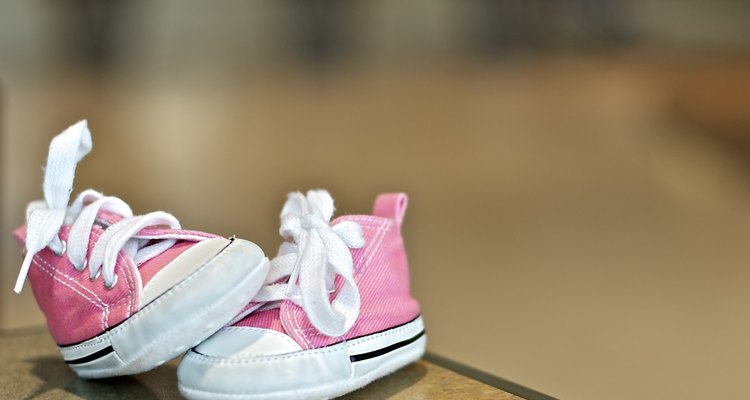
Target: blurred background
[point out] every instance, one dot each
(579, 170)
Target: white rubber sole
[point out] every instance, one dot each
(308, 374)
(177, 320)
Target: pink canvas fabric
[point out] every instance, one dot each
(381, 274)
(267, 319)
(77, 308)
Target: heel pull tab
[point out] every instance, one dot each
(391, 205)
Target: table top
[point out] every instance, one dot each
(32, 368)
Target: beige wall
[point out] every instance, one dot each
(565, 231)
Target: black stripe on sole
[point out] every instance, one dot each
(385, 350)
(93, 356)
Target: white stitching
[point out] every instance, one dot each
(127, 270)
(47, 267)
(105, 311)
(128, 277)
(383, 229)
(71, 288)
(70, 278)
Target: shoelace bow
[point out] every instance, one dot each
(313, 254)
(44, 219)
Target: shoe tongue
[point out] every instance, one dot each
(106, 218)
(149, 268)
(267, 319)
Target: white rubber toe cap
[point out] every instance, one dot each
(241, 342)
(181, 267)
(248, 362)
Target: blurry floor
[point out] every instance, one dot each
(30, 368)
(567, 231)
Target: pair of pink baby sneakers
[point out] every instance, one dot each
(124, 293)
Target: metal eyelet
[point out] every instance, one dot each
(62, 250)
(98, 274)
(81, 267)
(114, 282)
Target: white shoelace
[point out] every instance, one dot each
(312, 256)
(44, 219)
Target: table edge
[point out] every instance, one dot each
(486, 378)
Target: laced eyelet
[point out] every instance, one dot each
(81, 267)
(62, 249)
(93, 278)
(114, 282)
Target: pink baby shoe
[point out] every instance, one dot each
(335, 313)
(122, 293)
